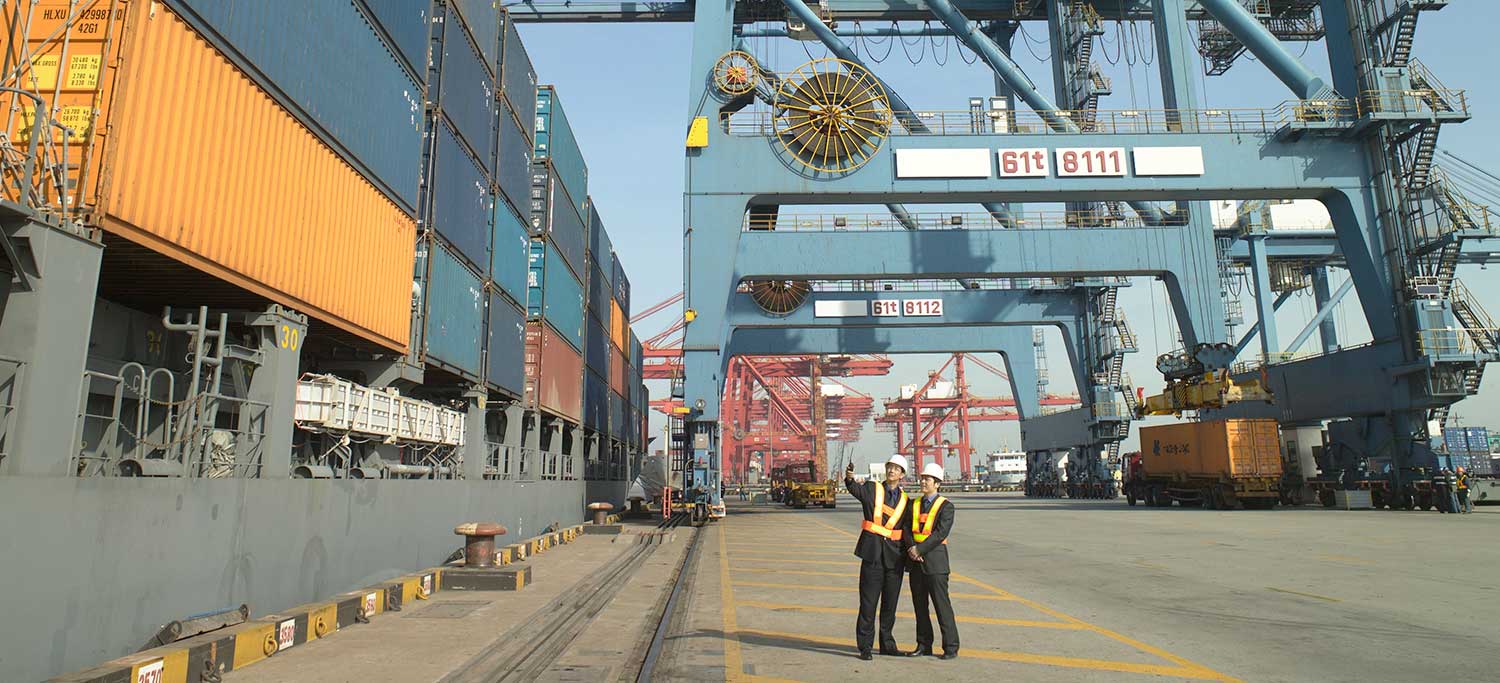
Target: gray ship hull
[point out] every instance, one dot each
(95, 566)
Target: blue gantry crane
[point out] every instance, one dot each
(1135, 186)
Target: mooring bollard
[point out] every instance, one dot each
(479, 543)
(600, 511)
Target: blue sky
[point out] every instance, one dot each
(625, 90)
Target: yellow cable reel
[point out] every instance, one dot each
(831, 115)
(736, 73)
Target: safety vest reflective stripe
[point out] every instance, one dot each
(924, 522)
(875, 525)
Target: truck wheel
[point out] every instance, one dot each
(1130, 497)
(1211, 499)
(1151, 498)
(1325, 497)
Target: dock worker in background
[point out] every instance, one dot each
(879, 549)
(1447, 498)
(1461, 484)
(927, 551)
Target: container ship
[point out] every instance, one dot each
(297, 287)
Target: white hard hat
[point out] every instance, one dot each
(899, 461)
(933, 470)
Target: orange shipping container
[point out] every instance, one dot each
(618, 325)
(1215, 448)
(189, 158)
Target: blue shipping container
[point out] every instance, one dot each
(335, 72)
(599, 244)
(562, 301)
(637, 353)
(553, 216)
(513, 166)
(622, 286)
(1478, 438)
(536, 258)
(554, 294)
(599, 291)
(518, 79)
(506, 359)
(462, 206)
(596, 347)
(616, 415)
(510, 252)
(483, 19)
(1456, 439)
(406, 22)
(466, 93)
(595, 402)
(556, 144)
(455, 312)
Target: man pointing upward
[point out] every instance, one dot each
(879, 549)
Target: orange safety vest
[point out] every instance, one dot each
(874, 525)
(925, 522)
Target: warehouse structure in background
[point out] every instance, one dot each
(240, 285)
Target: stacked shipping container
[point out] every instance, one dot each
(421, 147)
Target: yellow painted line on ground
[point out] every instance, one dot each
(1347, 559)
(1199, 671)
(851, 562)
(1305, 595)
(1016, 657)
(851, 589)
(1024, 623)
(794, 572)
(759, 551)
(734, 666)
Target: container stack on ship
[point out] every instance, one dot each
(261, 251)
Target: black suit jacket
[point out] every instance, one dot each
(934, 553)
(870, 547)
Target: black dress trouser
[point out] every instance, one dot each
(882, 585)
(934, 587)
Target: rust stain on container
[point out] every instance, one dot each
(618, 371)
(189, 158)
(1231, 448)
(554, 372)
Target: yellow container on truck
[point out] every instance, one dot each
(1214, 463)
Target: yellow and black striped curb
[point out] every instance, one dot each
(203, 658)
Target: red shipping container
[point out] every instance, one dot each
(619, 369)
(558, 375)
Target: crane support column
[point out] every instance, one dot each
(1265, 309)
(1328, 329)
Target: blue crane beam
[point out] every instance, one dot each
(560, 11)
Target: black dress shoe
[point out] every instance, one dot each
(865, 655)
(949, 655)
(920, 652)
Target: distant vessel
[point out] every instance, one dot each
(1006, 468)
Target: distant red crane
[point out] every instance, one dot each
(920, 416)
(768, 405)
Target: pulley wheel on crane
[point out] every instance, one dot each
(779, 297)
(832, 115)
(736, 73)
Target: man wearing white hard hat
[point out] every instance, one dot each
(926, 545)
(879, 549)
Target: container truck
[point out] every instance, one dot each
(804, 487)
(1217, 464)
